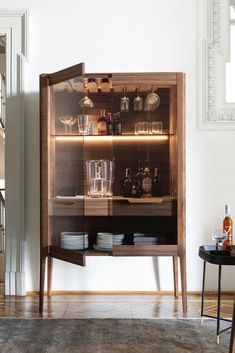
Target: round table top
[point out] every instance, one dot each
(218, 257)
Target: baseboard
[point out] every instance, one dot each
(87, 292)
(15, 283)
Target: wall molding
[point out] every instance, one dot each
(213, 53)
(14, 25)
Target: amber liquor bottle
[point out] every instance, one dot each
(147, 181)
(102, 123)
(228, 227)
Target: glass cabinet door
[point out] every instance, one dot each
(63, 184)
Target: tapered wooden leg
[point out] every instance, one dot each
(49, 274)
(183, 282)
(175, 274)
(232, 339)
(42, 282)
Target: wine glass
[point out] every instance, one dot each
(152, 101)
(86, 102)
(138, 102)
(124, 103)
(70, 123)
(219, 236)
(64, 120)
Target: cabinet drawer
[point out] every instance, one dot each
(66, 208)
(80, 207)
(165, 208)
(145, 250)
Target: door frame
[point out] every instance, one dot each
(14, 25)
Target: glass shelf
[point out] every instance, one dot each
(124, 137)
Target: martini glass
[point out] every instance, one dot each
(65, 120)
(219, 236)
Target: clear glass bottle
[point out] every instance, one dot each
(127, 184)
(228, 227)
(157, 186)
(147, 181)
(102, 123)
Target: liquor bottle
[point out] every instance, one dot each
(157, 186)
(127, 184)
(117, 125)
(102, 123)
(109, 124)
(136, 190)
(140, 172)
(146, 181)
(228, 227)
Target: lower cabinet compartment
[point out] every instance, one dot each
(136, 231)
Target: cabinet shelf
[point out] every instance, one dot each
(121, 138)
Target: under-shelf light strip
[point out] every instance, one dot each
(110, 138)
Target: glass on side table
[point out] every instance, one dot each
(219, 236)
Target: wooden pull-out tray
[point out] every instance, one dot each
(115, 206)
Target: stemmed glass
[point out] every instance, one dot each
(86, 102)
(152, 101)
(65, 120)
(138, 102)
(219, 236)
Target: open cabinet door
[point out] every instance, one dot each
(61, 166)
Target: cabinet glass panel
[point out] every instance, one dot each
(67, 174)
(142, 205)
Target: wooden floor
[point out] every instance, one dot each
(112, 306)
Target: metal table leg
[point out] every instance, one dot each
(203, 291)
(218, 305)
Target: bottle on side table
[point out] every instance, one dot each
(228, 227)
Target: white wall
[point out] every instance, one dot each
(109, 36)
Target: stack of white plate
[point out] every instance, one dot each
(105, 241)
(74, 240)
(145, 239)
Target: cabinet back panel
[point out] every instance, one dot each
(70, 160)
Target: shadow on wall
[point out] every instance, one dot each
(32, 189)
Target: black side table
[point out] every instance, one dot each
(208, 253)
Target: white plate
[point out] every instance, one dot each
(74, 247)
(74, 233)
(96, 247)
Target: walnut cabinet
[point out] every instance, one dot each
(63, 157)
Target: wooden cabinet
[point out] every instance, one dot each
(63, 157)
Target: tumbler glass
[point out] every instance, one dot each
(83, 124)
(143, 128)
(156, 127)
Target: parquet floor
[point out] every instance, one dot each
(112, 306)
